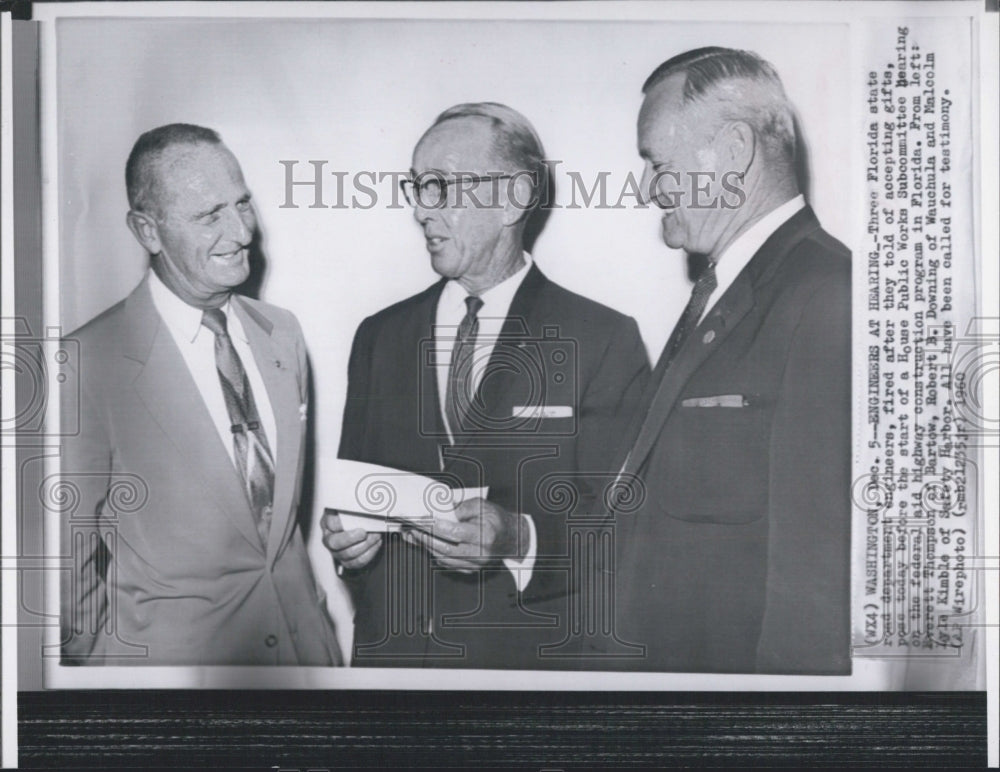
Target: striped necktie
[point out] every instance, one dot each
(458, 398)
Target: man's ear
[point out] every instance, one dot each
(741, 146)
(519, 200)
(145, 230)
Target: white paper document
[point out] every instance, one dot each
(381, 499)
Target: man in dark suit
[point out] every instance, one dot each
(734, 554)
(188, 464)
(493, 376)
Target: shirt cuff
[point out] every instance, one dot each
(522, 569)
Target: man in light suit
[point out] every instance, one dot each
(735, 553)
(188, 464)
(493, 376)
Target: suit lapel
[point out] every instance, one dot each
(277, 363)
(166, 388)
(424, 341)
(705, 339)
(715, 328)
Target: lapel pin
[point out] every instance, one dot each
(277, 363)
(709, 337)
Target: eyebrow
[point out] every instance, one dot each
(220, 207)
(207, 212)
(647, 156)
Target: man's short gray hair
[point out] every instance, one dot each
(515, 141)
(141, 174)
(740, 85)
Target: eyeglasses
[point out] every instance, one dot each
(431, 191)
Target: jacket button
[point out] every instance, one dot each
(271, 641)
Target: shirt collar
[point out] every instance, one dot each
(741, 251)
(184, 321)
(498, 297)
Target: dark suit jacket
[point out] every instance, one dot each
(556, 349)
(738, 559)
(168, 566)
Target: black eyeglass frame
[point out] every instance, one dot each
(411, 187)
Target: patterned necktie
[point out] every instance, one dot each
(458, 398)
(703, 288)
(250, 446)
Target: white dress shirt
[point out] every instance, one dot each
(197, 346)
(736, 256)
(451, 309)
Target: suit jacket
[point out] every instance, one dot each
(737, 555)
(168, 567)
(581, 367)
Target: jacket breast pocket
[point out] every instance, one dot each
(717, 466)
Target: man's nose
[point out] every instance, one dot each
(240, 225)
(421, 213)
(647, 191)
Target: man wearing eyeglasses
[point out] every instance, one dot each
(492, 377)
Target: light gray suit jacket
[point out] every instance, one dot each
(167, 565)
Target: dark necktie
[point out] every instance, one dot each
(458, 398)
(250, 446)
(703, 288)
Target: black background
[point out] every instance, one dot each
(555, 730)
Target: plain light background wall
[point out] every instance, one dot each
(358, 94)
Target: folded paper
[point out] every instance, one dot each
(381, 499)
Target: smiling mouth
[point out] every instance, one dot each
(435, 242)
(231, 257)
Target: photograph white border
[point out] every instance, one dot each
(864, 678)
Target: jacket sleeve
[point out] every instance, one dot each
(610, 401)
(364, 584)
(83, 487)
(607, 404)
(356, 414)
(806, 625)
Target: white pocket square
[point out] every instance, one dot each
(720, 400)
(542, 411)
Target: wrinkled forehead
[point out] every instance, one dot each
(200, 170)
(663, 107)
(465, 144)
(667, 124)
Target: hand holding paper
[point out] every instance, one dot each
(484, 532)
(352, 549)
